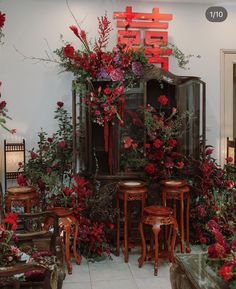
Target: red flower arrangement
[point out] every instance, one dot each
(9, 253)
(106, 74)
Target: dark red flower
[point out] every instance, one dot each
(107, 90)
(33, 155)
(60, 103)
(67, 191)
(75, 30)
(21, 180)
(229, 184)
(50, 139)
(162, 99)
(209, 151)
(2, 19)
(150, 168)
(172, 142)
(69, 51)
(3, 104)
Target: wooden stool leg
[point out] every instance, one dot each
(173, 239)
(8, 206)
(126, 229)
(76, 255)
(182, 222)
(156, 230)
(67, 249)
(144, 246)
(118, 229)
(188, 250)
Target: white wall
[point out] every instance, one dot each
(32, 90)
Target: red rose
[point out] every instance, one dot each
(61, 144)
(180, 165)
(107, 90)
(2, 19)
(226, 272)
(229, 159)
(33, 155)
(67, 191)
(157, 143)
(172, 142)
(150, 168)
(209, 151)
(69, 51)
(21, 180)
(147, 146)
(162, 99)
(229, 184)
(60, 103)
(50, 139)
(3, 104)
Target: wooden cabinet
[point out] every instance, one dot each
(185, 93)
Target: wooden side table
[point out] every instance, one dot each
(178, 190)
(69, 225)
(24, 196)
(128, 191)
(158, 217)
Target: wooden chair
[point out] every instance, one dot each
(32, 234)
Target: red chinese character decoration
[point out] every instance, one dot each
(155, 42)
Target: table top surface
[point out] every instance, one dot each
(199, 272)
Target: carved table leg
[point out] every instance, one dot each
(156, 230)
(67, 249)
(144, 248)
(173, 239)
(126, 254)
(182, 222)
(76, 255)
(118, 229)
(188, 250)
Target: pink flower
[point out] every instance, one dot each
(162, 99)
(116, 74)
(61, 144)
(127, 142)
(174, 110)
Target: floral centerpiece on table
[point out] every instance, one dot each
(106, 74)
(9, 253)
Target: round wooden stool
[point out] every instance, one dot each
(128, 191)
(69, 225)
(24, 196)
(178, 190)
(156, 217)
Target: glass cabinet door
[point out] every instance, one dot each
(191, 98)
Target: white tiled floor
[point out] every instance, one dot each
(116, 274)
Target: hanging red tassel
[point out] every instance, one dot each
(110, 149)
(121, 108)
(106, 135)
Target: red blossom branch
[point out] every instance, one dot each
(104, 29)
